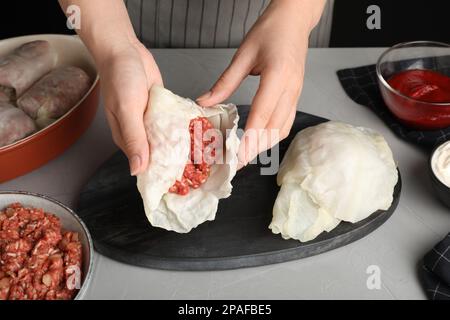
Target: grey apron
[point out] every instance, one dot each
(206, 23)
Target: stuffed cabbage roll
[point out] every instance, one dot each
(332, 172)
(23, 67)
(55, 94)
(193, 158)
(14, 124)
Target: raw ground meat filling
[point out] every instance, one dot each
(195, 172)
(36, 257)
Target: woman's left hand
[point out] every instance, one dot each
(275, 49)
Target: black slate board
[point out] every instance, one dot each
(112, 208)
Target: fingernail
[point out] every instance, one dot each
(135, 164)
(204, 96)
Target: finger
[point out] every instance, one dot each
(288, 124)
(279, 134)
(269, 92)
(152, 72)
(247, 147)
(129, 133)
(229, 81)
(263, 106)
(280, 124)
(115, 130)
(281, 121)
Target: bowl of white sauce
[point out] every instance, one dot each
(440, 172)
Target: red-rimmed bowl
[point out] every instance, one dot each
(39, 148)
(422, 55)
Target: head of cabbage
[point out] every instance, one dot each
(332, 172)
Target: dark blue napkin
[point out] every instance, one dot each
(435, 271)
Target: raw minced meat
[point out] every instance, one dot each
(37, 258)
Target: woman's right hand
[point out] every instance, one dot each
(126, 77)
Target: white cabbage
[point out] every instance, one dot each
(332, 172)
(167, 124)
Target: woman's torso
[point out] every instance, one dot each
(206, 23)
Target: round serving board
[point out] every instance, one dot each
(112, 208)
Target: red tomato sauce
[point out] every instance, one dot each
(195, 172)
(37, 257)
(423, 85)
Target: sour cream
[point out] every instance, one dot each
(440, 162)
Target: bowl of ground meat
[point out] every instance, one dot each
(46, 251)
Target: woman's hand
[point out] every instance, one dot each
(127, 71)
(126, 77)
(275, 49)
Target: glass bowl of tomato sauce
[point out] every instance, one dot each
(414, 80)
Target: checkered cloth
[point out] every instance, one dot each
(361, 86)
(435, 272)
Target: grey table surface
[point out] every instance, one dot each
(395, 248)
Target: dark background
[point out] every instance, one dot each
(401, 20)
(23, 17)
